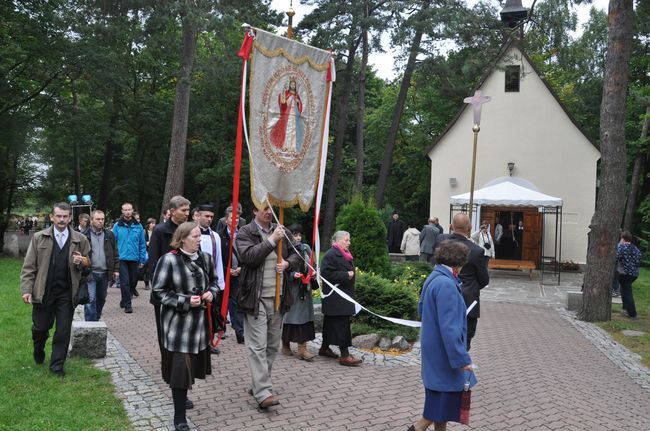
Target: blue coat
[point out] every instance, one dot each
(443, 333)
(130, 241)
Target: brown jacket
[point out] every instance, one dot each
(252, 251)
(37, 262)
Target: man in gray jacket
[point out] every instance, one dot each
(105, 264)
(257, 247)
(50, 280)
(428, 240)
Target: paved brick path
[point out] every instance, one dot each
(537, 372)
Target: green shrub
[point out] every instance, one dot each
(368, 235)
(386, 298)
(411, 274)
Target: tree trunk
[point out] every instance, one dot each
(605, 223)
(13, 184)
(178, 146)
(75, 140)
(639, 162)
(382, 182)
(109, 149)
(361, 103)
(330, 208)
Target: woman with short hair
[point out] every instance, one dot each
(184, 281)
(446, 364)
(337, 268)
(628, 260)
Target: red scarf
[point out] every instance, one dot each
(346, 254)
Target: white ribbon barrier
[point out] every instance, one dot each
(357, 307)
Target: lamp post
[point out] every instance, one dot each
(477, 101)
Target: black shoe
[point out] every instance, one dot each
(240, 339)
(128, 310)
(134, 292)
(189, 404)
(121, 305)
(39, 357)
(215, 350)
(181, 426)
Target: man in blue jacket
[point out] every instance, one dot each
(132, 250)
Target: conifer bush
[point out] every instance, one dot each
(368, 235)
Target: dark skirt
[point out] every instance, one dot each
(298, 333)
(441, 406)
(336, 331)
(180, 369)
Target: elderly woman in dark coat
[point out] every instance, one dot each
(298, 322)
(183, 282)
(337, 268)
(446, 364)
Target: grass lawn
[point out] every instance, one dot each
(640, 345)
(33, 399)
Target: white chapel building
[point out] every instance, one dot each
(528, 138)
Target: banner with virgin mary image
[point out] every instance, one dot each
(287, 118)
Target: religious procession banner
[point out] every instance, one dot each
(288, 115)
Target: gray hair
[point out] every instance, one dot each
(338, 235)
(229, 209)
(177, 202)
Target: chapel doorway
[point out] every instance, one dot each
(516, 231)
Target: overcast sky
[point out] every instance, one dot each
(383, 63)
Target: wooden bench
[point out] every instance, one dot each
(513, 264)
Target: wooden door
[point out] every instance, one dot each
(532, 237)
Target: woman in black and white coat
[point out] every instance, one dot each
(183, 282)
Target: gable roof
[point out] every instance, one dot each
(504, 48)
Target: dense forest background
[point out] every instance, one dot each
(88, 93)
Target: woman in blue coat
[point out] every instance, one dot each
(446, 364)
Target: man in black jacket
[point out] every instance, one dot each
(474, 274)
(236, 316)
(256, 248)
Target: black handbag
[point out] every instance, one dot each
(218, 322)
(83, 297)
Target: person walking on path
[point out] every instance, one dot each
(446, 364)
(184, 281)
(236, 316)
(474, 274)
(129, 235)
(337, 268)
(211, 244)
(411, 243)
(105, 264)
(396, 229)
(298, 324)
(159, 245)
(49, 280)
(428, 237)
(256, 247)
(148, 231)
(628, 260)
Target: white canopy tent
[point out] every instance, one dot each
(514, 192)
(507, 193)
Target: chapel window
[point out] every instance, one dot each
(512, 79)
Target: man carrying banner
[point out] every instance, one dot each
(256, 248)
